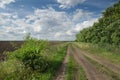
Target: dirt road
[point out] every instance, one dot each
(102, 61)
(91, 72)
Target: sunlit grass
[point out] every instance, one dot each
(111, 53)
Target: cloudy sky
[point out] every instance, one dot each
(48, 19)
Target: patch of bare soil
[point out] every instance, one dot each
(91, 72)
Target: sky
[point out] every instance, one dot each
(48, 19)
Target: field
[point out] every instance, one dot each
(14, 45)
(8, 46)
(60, 61)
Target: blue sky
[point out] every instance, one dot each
(48, 19)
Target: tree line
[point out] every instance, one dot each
(106, 30)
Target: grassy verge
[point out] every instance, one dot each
(109, 52)
(74, 71)
(104, 70)
(35, 60)
(71, 67)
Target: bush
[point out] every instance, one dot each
(31, 54)
(35, 61)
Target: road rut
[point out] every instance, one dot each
(91, 72)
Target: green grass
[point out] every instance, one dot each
(73, 69)
(104, 70)
(109, 52)
(82, 73)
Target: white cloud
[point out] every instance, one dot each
(81, 15)
(58, 34)
(69, 32)
(69, 3)
(3, 3)
(44, 24)
(84, 24)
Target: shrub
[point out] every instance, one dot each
(35, 61)
(31, 54)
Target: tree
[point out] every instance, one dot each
(106, 30)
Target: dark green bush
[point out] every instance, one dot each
(35, 61)
(31, 54)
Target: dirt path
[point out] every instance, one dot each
(61, 74)
(91, 72)
(104, 62)
(111, 66)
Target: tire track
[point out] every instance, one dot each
(91, 72)
(104, 62)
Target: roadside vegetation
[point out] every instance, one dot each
(109, 52)
(35, 60)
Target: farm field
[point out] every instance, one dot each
(14, 45)
(67, 61)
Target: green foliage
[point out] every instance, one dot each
(106, 30)
(31, 54)
(35, 60)
(13, 70)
